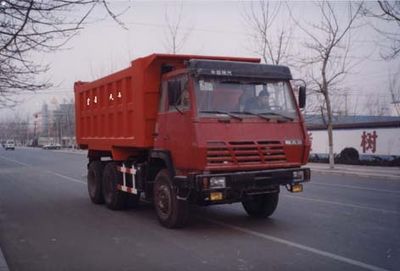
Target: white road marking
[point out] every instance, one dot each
(15, 161)
(300, 246)
(48, 171)
(66, 177)
(357, 187)
(344, 204)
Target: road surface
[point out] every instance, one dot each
(47, 222)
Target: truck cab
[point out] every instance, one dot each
(234, 133)
(221, 116)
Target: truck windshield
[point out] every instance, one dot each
(264, 99)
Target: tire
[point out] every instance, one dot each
(261, 206)
(171, 212)
(94, 182)
(133, 200)
(114, 198)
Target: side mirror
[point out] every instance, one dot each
(302, 96)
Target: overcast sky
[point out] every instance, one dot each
(210, 28)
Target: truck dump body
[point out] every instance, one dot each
(120, 110)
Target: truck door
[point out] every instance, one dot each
(174, 121)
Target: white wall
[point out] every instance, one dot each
(387, 141)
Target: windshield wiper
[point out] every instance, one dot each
(221, 112)
(251, 113)
(276, 114)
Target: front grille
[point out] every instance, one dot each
(244, 152)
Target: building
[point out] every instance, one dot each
(55, 123)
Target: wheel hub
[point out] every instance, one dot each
(164, 200)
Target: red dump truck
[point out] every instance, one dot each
(187, 129)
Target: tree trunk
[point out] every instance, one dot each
(330, 131)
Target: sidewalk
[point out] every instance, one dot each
(364, 171)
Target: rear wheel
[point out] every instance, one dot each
(261, 206)
(115, 199)
(94, 182)
(133, 200)
(171, 212)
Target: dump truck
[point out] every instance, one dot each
(184, 130)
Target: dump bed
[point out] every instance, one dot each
(120, 110)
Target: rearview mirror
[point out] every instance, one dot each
(302, 96)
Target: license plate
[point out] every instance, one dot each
(216, 196)
(295, 188)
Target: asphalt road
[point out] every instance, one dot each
(48, 223)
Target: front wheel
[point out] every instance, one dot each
(261, 206)
(171, 212)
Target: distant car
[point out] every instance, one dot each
(52, 147)
(10, 145)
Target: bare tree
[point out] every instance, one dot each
(176, 35)
(389, 12)
(328, 60)
(376, 105)
(272, 43)
(32, 26)
(16, 128)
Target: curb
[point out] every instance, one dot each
(3, 263)
(341, 171)
(80, 152)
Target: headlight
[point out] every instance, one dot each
(217, 182)
(298, 175)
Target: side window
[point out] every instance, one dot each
(178, 94)
(174, 92)
(163, 100)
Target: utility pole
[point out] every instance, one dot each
(34, 142)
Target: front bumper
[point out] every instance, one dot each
(238, 185)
